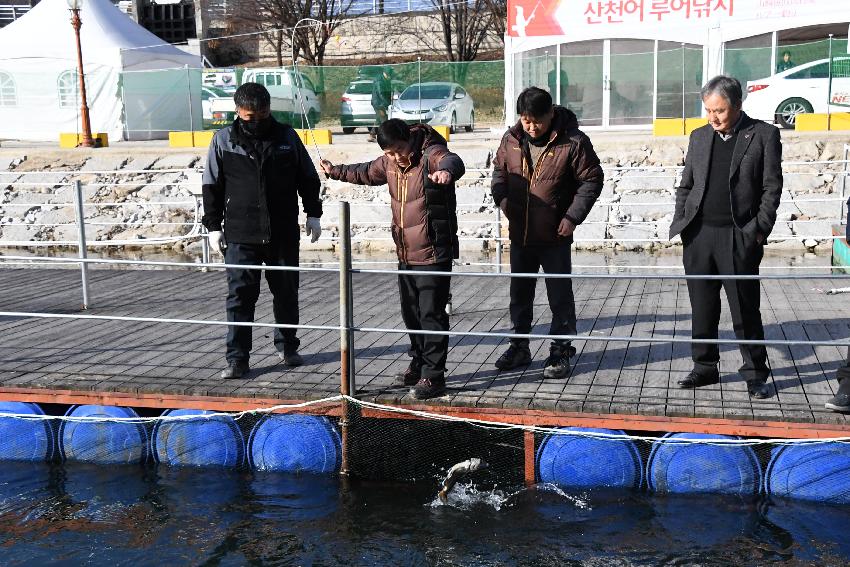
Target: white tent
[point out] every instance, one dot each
(129, 95)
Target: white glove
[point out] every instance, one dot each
(313, 227)
(216, 240)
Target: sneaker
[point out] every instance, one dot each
(411, 376)
(513, 357)
(291, 358)
(234, 370)
(429, 388)
(841, 400)
(557, 364)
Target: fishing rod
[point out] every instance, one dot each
(305, 118)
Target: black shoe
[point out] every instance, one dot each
(758, 390)
(411, 376)
(557, 365)
(696, 379)
(291, 358)
(513, 357)
(234, 370)
(429, 388)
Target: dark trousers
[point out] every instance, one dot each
(243, 289)
(843, 373)
(553, 259)
(725, 251)
(423, 307)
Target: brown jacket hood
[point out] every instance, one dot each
(563, 184)
(422, 136)
(563, 121)
(424, 225)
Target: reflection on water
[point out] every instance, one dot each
(83, 514)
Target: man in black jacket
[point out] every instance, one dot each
(725, 209)
(256, 169)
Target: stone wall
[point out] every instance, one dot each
(634, 211)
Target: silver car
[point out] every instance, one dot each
(356, 105)
(446, 104)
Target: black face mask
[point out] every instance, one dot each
(257, 129)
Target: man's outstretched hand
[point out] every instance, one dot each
(441, 177)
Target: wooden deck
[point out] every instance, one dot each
(630, 385)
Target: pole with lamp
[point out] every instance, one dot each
(76, 23)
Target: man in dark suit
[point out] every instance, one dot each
(725, 209)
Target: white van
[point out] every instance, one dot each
(285, 90)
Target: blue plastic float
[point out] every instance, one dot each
(578, 461)
(25, 439)
(201, 442)
(104, 442)
(819, 472)
(683, 468)
(295, 443)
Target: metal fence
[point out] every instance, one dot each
(106, 214)
(66, 194)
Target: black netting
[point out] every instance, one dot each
(387, 448)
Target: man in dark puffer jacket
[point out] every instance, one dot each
(256, 170)
(420, 172)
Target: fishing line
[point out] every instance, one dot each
(305, 118)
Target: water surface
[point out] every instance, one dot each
(74, 514)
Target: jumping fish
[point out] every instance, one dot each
(457, 472)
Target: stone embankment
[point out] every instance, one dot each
(134, 196)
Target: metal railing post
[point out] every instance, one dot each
(498, 239)
(845, 171)
(205, 249)
(81, 240)
(346, 322)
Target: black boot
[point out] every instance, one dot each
(515, 356)
(557, 365)
(429, 388)
(412, 375)
(235, 370)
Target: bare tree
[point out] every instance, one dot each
(498, 18)
(465, 25)
(275, 19)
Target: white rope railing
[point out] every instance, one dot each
(421, 414)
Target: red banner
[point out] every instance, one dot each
(533, 17)
(556, 17)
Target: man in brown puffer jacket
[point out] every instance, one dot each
(546, 178)
(420, 172)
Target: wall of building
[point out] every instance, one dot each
(388, 35)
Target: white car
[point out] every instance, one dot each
(446, 104)
(289, 93)
(804, 88)
(207, 96)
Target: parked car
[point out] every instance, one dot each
(284, 87)
(801, 89)
(207, 96)
(446, 104)
(356, 104)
